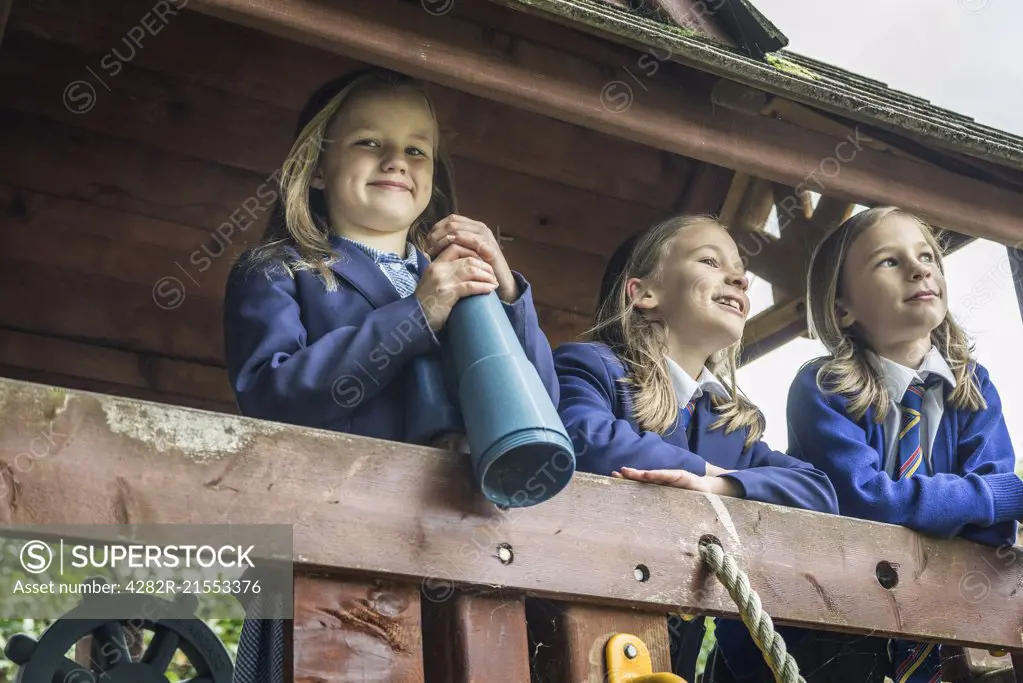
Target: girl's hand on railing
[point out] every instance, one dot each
(715, 471)
(681, 479)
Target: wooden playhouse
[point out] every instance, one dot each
(139, 139)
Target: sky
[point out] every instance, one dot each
(961, 55)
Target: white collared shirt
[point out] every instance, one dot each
(897, 379)
(688, 389)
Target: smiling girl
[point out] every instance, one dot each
(327, 322)
(643, 399)
(907, 425)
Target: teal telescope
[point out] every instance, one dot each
(521, 453)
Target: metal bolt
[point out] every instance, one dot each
(504, 553)
(630, 651)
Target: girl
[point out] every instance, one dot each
(907, 425)
(643, 398)
(336, 320)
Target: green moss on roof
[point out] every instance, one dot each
(793, 76)
(789, 67)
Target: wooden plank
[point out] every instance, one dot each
(1015, 256)
(110, 243)
(707, 191)
(191, 118)
(570, 639)
(207, 123)
(78, 383)
(772, 328)
(25, 210)
(964, 665)
(562, 326)
(167, 317)
(748, 205)
(472, 638)
(5, 13)
(356, 630)
(120, 250)
(545, 81)
(101, 310)
(233, 207)
(407, 512)
(51, 158)
(561, 216)
(163, 376)
(190, 73)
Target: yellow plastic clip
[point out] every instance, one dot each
(628, 661)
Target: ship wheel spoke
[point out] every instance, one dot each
(161, 650)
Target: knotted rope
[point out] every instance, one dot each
(757, 621)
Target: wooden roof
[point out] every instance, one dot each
(780, 72)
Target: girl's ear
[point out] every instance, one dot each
(316, 181)
(640, 294)
(845, 318)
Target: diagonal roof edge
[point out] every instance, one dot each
(791, 75)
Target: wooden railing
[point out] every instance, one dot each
(404, 572)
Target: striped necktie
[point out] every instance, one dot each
(686, 414)
(911, 454)
(914, 662)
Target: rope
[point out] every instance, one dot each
(757, 621)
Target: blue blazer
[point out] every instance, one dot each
(342, 360)
(597, 412)
(974, 492)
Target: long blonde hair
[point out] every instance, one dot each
(640, 339)
(848, 370)
(300, 218)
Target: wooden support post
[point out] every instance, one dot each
(968, 665)
(1016, 268)
(470, 638)
(5, 12)
(356, 630)
(569, 639)
(706, 191)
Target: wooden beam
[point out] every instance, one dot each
(79, 380)
(707, 191)
(170, 114)
(233, 206)
(1016, 266)
(5, 13)
(162, 320)
(570, 639)
(773, 328)
(547, 81)
(165, 377)
(784, 262)
(190, 84)
(748, 205)
(355, 630)
(471, 638)
(398, 511)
